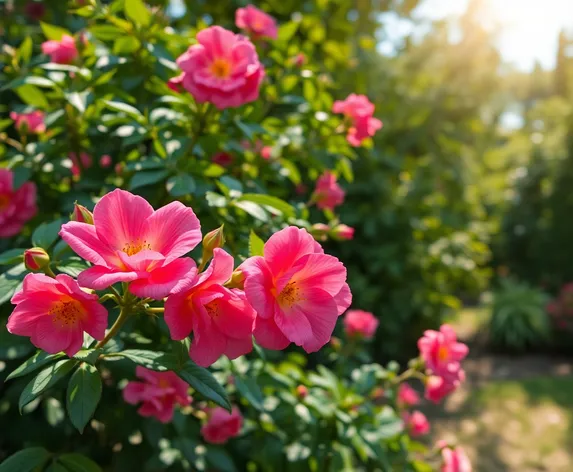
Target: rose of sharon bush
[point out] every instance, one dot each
(222, 69)
(441, 352)
(256, 22)
(63, 51)
(222, 425)
(55, 313)
(158, 393)
(297, 291)
(32, 122)
(359, 323)
(16, 206)
(358, 110)
(130, 242)
(327, 194)
(220, 319)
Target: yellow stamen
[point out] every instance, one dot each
(220, 68)
(67, 312)
(134, 247)
(289, 295)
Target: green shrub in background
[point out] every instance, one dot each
(519, 319)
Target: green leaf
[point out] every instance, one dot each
(181, 184)
(72, 266)
(33, 96)
(203, 381)
(44, 380)
(256, 211)
(11, 256)
(291, 171)
(220, 459)
(46, 234)
(136, 11)
(38, 360)
(26, 460)
(77, 100)
(125, 45)
(158, 361)
(56, 467)
(256, 245)
(249, 389)
(141, 179)
(54, 32)
(270, 201)
(21, 175)
(106, 32)
(84, 393)
(345, 168)
(88, 355)
(249, 129)
(10, 281)
(29, 80)
(75, 462)
(125, 108)
(25, 50)
(287, 31)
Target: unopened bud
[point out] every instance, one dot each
(301, 392)
(82, 214)
(237, 280)
(36, 259)
(342, 232)
(335, 343)
(319, 231)
(214, 239)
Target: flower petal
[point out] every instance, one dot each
(163, 280)
(285, 247)
(268, 335)
(99, 277)
(178, 316)
(84, 241)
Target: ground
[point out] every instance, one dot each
(514, 414)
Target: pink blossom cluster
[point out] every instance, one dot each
(454, 459)
(17, 206)
(358, 111)
(360, 324)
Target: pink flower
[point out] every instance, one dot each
(222, 425)
(437, 388)
(358, 110)
(343, 232)
(441, 352)
(327, 194)
(63, 51)
(16, 206)
(130, 242)
(54, 313)
(300, 60)
(301, 392)
(105, 161)
(221, 319)
(297, 291)
(32, 122)
(86, 161)
(417, 423)
(223, 159)
(256, 22)
(158, 393)
(407, 396)
(266, 152)
(223, 69)
(455, 460)
(360, 324)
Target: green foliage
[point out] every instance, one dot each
(518, 320)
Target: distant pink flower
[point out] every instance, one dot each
(222, 69)
(266, 152)
(360, 324)
(553, 308)
(416, 423)
(343, 232)
(358, 110)
(105, 161)
(437, 388)
(55, 313)
(328, 194)
(221, 319)
(130, 242)
(63, 51)
(302, 392)
(158, 393)
(16, 206)
(256, 22)
(300, 60)
(300, 189)
(455, 460)
(407, 396)
(35, 10)
(222, 425)
(86, 161)
(224, 159)
(297, 291)
(32, 122)
(441, 352)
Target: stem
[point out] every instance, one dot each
(124, 313)
(155, 310)
(49, 272)
(406, 375)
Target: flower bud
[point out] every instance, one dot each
(301, 392)
(237, 280)
(82, 214)
(343, 233)
(335, 343)
(36, 259)
(319, 231)
(214, 239)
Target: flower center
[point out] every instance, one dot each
(289, 295)
(164, 383)
(443, 353)
(135, 246)
(67, 313)
(4, 201)
(213, 309)
(221, 68)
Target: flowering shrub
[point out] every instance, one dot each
(149, 137)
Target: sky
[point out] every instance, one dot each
(529, 27)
